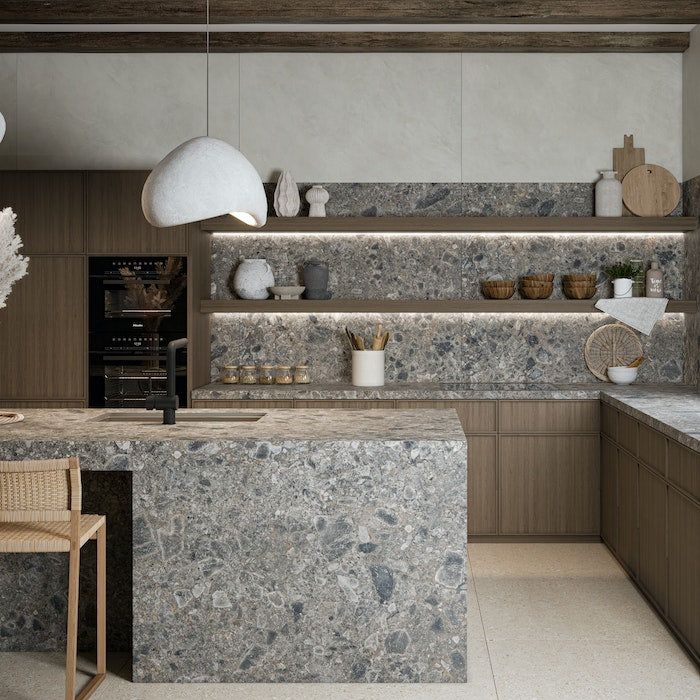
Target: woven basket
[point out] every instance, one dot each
(536, 290)
(580, 291)
(498, 289)
(612, 345)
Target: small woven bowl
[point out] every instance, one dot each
(580, 291)
(538, 278)
(543, 290)
(498, 289)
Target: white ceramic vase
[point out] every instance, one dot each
(622, 288)
(253, 277)
(286, 200)
(317, 197)
(368, 367)
(608, 195)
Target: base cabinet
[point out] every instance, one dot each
(608, 492)
(628, 511)
(652, 536)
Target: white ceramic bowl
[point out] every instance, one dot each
(622, 375)
(286, 291)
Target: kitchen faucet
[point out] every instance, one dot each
(169, 403)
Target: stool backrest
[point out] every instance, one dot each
(40, 491)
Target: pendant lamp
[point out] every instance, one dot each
(3, 126)
(202, 178)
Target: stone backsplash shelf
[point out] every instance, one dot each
(428, 306)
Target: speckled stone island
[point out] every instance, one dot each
(292, 549)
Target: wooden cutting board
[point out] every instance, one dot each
(650, 190)
(626, 158)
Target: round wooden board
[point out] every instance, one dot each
(612, 345)
(650, 190)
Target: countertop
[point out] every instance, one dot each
(275, 425)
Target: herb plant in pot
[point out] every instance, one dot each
(622, 275)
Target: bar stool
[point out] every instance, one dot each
(40, 504)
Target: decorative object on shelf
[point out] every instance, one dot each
(626, 158)
(612, 345)
(6, 418)
(638, 281)
(3, 127)
(286, 200)
(640, 314)
(249, 374)
(608, 195)
(622, 375)
(580, 285)
(301, 374)
(537, 286)
(368, 367)
(622, 275)
(284, 374)
(286, 293)
(253, 278)
(650, 190)
(317, 197)
(266, 374)
(316, 280)
(655, 281)
(13, 265)
(228, 374)
(498, 289)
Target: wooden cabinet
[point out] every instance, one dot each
(652, 535)
(608, 492)
(627, 433)
(608, 421)
(549, 484)
(49, 208)
(627, 511)
(549, 416)
(684, 468)
(115, 221)
(216, 403)
(43, 349)
(652, 449)
(684, 567)
(482, 494)
(351, 405)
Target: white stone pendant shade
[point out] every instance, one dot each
(200, 179)
(3, 126)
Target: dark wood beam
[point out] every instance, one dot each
(103, 11)
(456, 11)
(338, 42)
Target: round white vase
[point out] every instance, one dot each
(608, 195)
(622, 288)
(253, 277)
(317, 197)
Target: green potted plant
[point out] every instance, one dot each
(622, 275)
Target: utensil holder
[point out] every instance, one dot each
(368, 367)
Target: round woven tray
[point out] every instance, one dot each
(6, 418)
(612, 345)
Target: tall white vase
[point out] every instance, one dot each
(608, 195)
(286, 200)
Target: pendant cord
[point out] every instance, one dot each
(207, 89)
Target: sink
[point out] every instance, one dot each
(157, 417)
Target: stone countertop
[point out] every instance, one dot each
(276, 425)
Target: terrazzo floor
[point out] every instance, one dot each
(546, 621)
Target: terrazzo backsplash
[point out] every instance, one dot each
(459, 347)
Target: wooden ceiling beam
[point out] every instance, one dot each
(345, 42)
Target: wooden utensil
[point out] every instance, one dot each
(650, 190)
(378, 337)
(626, 158)
(637, 362)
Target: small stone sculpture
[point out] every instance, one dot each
(252, 279)
(316, 280)
(317, 197)
(286, 200)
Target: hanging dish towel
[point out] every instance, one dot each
(639, 313)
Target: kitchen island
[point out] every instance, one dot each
(295, 546)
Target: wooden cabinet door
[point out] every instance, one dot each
(224, 403)
(549, 484)
(652, 535)
(684, 567)
(348, 405)
(556, 416)
(49, 208)
(475, 416)
(608, 493)
(43, 344)
(482, 504)
(115, 221)
(628, 511)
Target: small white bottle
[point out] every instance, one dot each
(655, 281)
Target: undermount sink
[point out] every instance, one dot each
(157, 417)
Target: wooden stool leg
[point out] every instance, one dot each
(102, 599)
(72, 631)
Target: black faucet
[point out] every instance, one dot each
(170, 403)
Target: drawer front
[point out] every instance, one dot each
(684, 468)
(627, 432)
(475, 416)
(608, 421)
(652, 449)
(216, 403)
(351, 405)
(482, 506)
(549, 416)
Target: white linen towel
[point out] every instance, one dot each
(640, 313)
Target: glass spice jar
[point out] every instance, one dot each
(266, 374)
(301, 374)
(229, 374)
(249, 374)
(284, 374)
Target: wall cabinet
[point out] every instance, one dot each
(43, 353)
(115, 221)
(49, 208)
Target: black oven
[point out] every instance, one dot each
(137, 306)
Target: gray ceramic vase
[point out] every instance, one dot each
(316, 280)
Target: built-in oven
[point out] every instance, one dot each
(137, 306)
